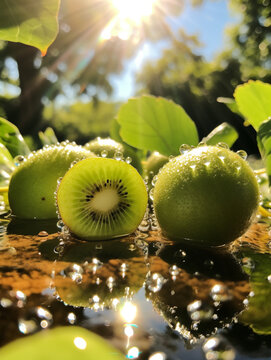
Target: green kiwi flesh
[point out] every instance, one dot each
(111, 147)
(101, 198)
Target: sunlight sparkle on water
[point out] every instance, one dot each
(128, 312)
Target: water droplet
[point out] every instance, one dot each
(199, 311)
(174, 270)
(154, 179)
(201, 143)
(18, 160)
(34, 320)
(222, 145)
(220, 293)
(144, 226)
(71, 318)
(5, 303)
(269, 278)
(93, 266)
(110, 282)
(60, 224)
(118, 155)
(74, 272)
(43, 233)
(128, 160)
(151, 194)
(104, 153)
(242, 154)
(184, 149)
(218, 348)
(155, 282)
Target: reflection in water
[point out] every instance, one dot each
(52, 280)
(196, 295)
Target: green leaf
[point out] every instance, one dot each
(48, 137)
(254, 102)
(62, 343)
(29, 22)
(12, 139)
(7, 165)
(115, 131)
(223, 133)
(264, 145)
(156, 124)
(231, 104)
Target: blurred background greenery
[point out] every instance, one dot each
(71, 88)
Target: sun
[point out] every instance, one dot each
(130, 14)
(134, 10)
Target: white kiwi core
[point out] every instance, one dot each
(105, 200)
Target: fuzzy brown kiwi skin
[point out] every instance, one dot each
(90, 230)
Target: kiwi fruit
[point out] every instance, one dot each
(110, 148)
(208, 196)
(101, 198)
(34, 181)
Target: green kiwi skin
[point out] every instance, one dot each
(33, 183)
(111, 146)
(77, 192)
(201, 200)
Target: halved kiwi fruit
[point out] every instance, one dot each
(101, 198)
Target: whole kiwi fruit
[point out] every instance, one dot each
(110, 148)
(34, 181)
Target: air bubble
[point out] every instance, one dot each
(197, 310)
(155, 282)
(104, 153)
(18, 160)
(93, 266)
(184, 149)
(118, 155)
(242, 154)
(218, 348)
(128, 160)
(5, 303)
(222, 145)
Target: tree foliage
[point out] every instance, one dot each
(187, 78)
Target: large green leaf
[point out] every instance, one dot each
(254, 102)
(12, 139)
(32, 22)
(264, 144)
(222, 133)
(156, 124)
(62, 343)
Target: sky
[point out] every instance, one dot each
(207, 21)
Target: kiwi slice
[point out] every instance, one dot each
(101, 198)
(110, 148)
